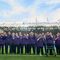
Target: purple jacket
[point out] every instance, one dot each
(21, 39)
(57, 41)
(18, 40)
(40, 42)
(9, 38)
(1, 40)
(25, 40)
(32, 39)
(49, 40)
(4, 38)
(13, 41)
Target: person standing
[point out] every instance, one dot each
(8, 43)
(2, 42)
(33, 40)
(40, 44)
(57, 43)
(17, 43)
(21, 45)
(12, 44)
(49, 42)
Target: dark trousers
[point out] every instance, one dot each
(20, 49)
(47, 51)
(58, 49)
(39, 50)
(51, 53)
(27, 49)
(49, 47)
(6, 48)
(33, 47)
(2, 47)
(13, 49)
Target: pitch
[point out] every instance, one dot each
(27, 57)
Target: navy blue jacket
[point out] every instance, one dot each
(40, 42)
(1, 40)
(26, 40)
(49, 40)
(32, 39)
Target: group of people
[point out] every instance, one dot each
(35, 41)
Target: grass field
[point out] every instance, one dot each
(27, 57)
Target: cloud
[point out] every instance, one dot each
(28, 10)
(55, 16)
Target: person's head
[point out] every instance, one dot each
(9, 33)
(4, 33)
(16, 34)
(40, 35)
(51, 34)
(24, 34)
(31, 33)
(58, 34)
(13, 34)
(20, 33)
(27, 34)
(36, 34)
(47, 33)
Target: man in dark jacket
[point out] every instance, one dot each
(49, 42)
(12, 44)
(6, 42)
(2, 42)
(57, 43)
(18, 42)
(26, 43)
(40, 44)
(21, 43)
(33, 40)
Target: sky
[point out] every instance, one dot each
(29, 10)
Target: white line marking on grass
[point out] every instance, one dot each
(19, 55)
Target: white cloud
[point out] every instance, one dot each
(51, 1)
(55, 15)
(16, 9)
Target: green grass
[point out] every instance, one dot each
(16, 50)
(24, 57)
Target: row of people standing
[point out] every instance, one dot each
(17, 41)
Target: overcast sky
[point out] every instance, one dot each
(29, 10)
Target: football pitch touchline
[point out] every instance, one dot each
(25, 55)
(19, 55)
